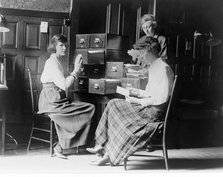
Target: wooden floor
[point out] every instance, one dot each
(201, 151)
(38, 161)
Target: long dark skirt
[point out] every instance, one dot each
(126, 127)
(72, 119)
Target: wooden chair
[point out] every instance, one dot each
(42, 126)
(161, 133)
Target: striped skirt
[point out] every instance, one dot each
(125, 127)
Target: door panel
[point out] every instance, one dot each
(32, 36)
(10, 39)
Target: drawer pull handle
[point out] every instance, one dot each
(81, 82)
(97, 40)
(82, 41)
(96, 70)
(114, 69)
(96, 86)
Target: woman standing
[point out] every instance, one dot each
(126, 124)
(149, 27)
(72, 119)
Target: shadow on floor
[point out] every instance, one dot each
(176, 164)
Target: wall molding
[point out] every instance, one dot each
(33, 13)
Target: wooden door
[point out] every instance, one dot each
(26, 47)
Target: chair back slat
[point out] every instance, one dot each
(168, 108)
(34, 90)
(31, 90)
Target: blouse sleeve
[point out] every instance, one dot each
(54, 73)
(159, 89)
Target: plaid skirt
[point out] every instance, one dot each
(72, 119)
(125, 127)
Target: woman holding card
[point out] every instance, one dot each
(128, 121)
(72, 119)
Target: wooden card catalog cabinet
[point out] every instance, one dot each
(103, 58)
(99, 47)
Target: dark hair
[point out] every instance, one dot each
(149, 43)
(54, 40)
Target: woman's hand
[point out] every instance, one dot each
(134, 54)
(134, 92)
(78, 63)
(77, 66)
(140, 101)
(132, 99)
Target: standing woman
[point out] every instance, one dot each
(127, 124)
(72, 119)
(149, 27)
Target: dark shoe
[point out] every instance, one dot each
(58, 154)
(150, 148)
(99, 150)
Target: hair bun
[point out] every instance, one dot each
(149, 43)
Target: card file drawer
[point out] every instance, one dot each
(97, 40)
(139, 83)
(96, 71)
(114, 70)
(103, 86)
(82, 41)
(92, 56)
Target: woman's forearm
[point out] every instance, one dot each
(142, 101)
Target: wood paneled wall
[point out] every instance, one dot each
(26, 47)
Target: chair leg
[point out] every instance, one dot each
(125, 163)
(77, 150)
(51, 138)
(165, 154)
(30, 138)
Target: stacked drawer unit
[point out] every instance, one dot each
(104, 56)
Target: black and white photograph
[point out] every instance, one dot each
(111, 87)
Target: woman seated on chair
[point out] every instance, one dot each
(127, 124)
(72, 119)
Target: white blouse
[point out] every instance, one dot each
(159, 84)
(53, 72)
